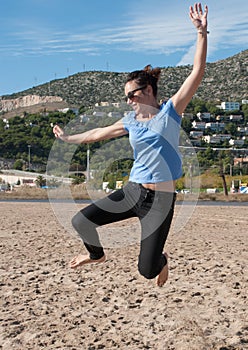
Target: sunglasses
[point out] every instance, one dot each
(131, 95)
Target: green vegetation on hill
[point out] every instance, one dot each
(224, 80)
(35, 130)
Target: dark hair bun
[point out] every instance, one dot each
(146, 76)
(154, 72)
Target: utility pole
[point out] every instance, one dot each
(191, 175)
(88, 164)
(222, 175)
(29, 158)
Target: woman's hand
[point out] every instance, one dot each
(198, 17)
(59, 133)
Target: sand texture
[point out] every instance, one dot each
(46, 305)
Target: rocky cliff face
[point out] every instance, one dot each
(26, 101)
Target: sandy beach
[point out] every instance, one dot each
(46, 305)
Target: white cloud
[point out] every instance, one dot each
(187, 57)
(169, 30)
(155, 28)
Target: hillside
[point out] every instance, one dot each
(224, 80)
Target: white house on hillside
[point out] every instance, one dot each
(198, 125)
(230, 106)
(243, 130)
(196, 134)
(216, 138)
(188, 116)
(99, 114)
(235, 118)
(203, 116)
(215, 126)
(233, 142)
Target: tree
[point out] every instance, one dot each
(18, 165)
(76, 180)
(231, 128)
(199, 105)
(245, 111)
(186, 125)
(207, 158)
(40, 181)
(212, 108)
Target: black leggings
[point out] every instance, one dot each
(154, 210)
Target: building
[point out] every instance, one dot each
(240, 161)
(102, 104)
(230, 106)
(99, 114)
(212, 139)
(216, 138)
(203, 116)
(235, 118)
(243, 130)
(23, 178)
(198, 125)
(196, 134)
(116, 104)
(219, 118)
(188, 115)
(238, 142)
(115, 115)
(215, 126)
(196, 142)
(65, 110)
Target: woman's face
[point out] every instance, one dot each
(136, 95)
(139, 97)
(133, 91)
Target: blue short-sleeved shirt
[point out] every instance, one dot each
(155, 146)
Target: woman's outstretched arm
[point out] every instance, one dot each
(94, 135)
(190, 85)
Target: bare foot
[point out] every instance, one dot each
(164, 274)
(80, 260)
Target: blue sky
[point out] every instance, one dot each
(42, 40)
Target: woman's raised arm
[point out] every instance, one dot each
(190, 85)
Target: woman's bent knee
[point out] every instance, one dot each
(77, 221)
(81, 223)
